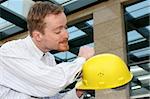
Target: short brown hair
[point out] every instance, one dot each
(38, 12)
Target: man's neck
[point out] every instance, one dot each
(38, 45)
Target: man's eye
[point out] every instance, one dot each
(58, 32)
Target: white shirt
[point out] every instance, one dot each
(23, 73)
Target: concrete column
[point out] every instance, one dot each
(109, 37)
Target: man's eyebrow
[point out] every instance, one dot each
(60, 27)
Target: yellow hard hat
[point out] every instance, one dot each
(104, 71)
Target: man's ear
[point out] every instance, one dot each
(37, 35)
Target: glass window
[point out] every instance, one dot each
(65, 55)
(134, 37)
(138, 44)
(139, 9)
(74, 32)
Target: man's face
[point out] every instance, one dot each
(56, 35)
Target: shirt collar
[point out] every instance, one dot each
(33, 48)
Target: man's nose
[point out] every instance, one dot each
(65, 34)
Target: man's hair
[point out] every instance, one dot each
(37, 14)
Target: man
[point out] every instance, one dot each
(28, 70)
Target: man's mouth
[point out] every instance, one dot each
(64, 41)
(63, 45)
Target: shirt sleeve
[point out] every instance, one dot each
(43, 80)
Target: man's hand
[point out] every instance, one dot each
(79, 92)
(86, 52)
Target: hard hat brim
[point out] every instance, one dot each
(81, 85)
